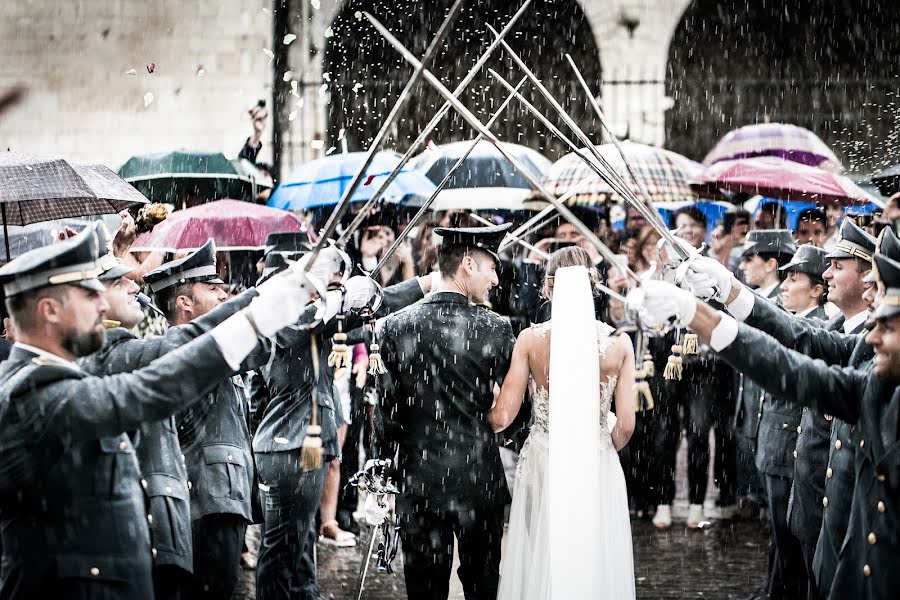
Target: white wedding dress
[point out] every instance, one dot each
(569, 534)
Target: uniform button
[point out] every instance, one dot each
(95, 572)
(862, 443)
(825, 501)
(182, 458)
(881, 478)
(880, 506)
(828, 473)
(838, 444)
(230, 457)
(168, 490)
(144, 483)
(759, 415)
(153, 552)
(150, 519)
(784, 425)
(866, 570)
(123, 444)
(872, 539)
(795, 454)
(189, 486)
(798, 429)
(828, 417)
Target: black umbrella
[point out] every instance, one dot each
(41, 188)
(888, 181)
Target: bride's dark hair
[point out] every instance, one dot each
(571, 256)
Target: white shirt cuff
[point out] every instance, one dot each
(724, 333)
(236, 339)
(742, 306)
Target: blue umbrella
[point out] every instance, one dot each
(322, 182)
(793, 208)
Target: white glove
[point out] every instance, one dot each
(376, 509)
(280, 302)
(659, 302)
(719, 276)
(328, 264)
(359, 292)
(674, 257)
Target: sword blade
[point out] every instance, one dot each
(564, 210)
(429, 127)
(405, 94)
(424, 208)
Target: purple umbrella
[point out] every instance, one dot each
(782, 140)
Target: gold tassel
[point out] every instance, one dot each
(311, 449)
(376, 365)
(648, 367)
(643, 399)
(690, 343)
(674, 366)
(340, 351)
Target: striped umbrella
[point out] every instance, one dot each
(782, 140)
(665, 175)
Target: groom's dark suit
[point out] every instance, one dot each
(444, 355)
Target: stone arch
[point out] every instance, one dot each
(366, 75)
(823, 64)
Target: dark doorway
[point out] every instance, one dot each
(827, 65)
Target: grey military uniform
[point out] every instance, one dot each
(73, 514)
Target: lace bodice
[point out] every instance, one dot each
(540, 396)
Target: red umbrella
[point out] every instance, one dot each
(233, 224)
(779, 178)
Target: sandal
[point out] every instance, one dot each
(331, 534)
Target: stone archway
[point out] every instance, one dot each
(366, 75)
(827, 65)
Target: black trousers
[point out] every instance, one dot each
(427, 538)
(218, 540)
(170, 582)
(637, 461)
(812, 593)
(787, 570)
(285, 567)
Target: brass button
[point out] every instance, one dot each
(123, 444)
(880, 506)
(784, 425)
(795, 454)
(230, 457)
(866, 570)
(189, 486)
(828, 473)
(759, 415)
(838, 444)
(150, 519)
(798, 429)
(168, 490)
(825, 501)
(144, 483)
(881, 478)
(153, 552)
(182, 458)
(95, 572)
(862, 443)
(828, 417)
(872, 539)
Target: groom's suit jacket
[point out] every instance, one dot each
(443, 356)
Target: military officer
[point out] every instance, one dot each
(444, 355)
(802, 293)
(73, 514)
(867, 563)
(289, 494)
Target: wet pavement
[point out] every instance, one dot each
(725, 560)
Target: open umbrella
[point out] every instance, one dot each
(23, 238)
(233, 224)
(665, 175)
(485, 167)
(779, 178)
(888, 181)
(40, 188)
(782, 140)
(174, 177)
(322, 182)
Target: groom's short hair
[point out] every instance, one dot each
(451, 257)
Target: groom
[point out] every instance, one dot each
(444, 354)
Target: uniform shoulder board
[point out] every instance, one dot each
(47, 362)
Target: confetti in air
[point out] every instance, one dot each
(148, 99)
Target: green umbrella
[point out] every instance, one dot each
(182, 176)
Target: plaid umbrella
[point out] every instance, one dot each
(40, 188)
(664, 174)
(789, 142)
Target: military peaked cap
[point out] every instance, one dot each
(807, 259)
(853, 242)
(197, 267)
(481, 238)
(887, 277)
(288, 241)
(773, 242)
(73, 262)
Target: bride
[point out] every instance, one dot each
(569, 532)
